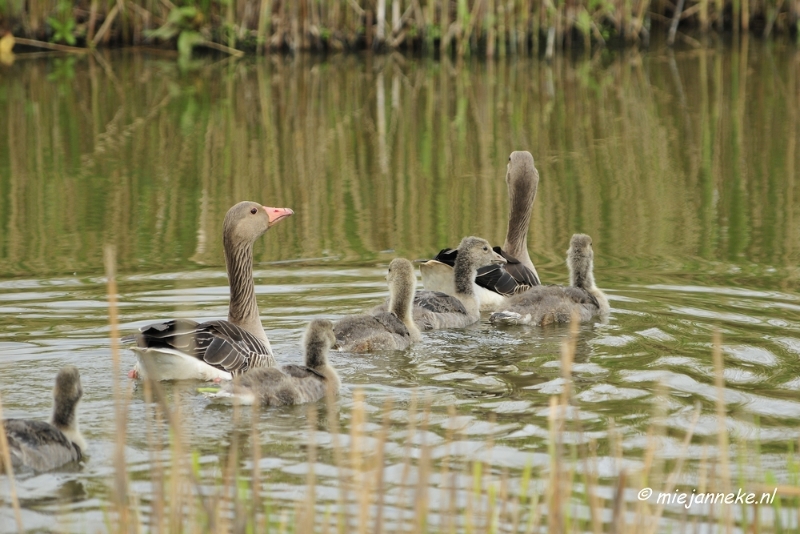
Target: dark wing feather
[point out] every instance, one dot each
(447, 256)
(301, 371)
(220, 344)
(439, 302)
(508, 279)
(391, 323)
(581, 296)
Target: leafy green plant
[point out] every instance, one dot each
(63, 24)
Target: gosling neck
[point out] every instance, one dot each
(65, 418)
(464, 276)
(582, 274)
(243, 308)
(401, 303)
(317, 354)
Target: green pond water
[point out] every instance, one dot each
(681, 166)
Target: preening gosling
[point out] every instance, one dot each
(43, 446)
(497, 282)
(386, 328)
(289, 384)
(555, 304)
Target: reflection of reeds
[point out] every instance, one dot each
(397, 154)
(491, 27)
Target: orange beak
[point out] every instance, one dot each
(277, 214)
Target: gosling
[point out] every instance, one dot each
(386, 328)
(44, 446)
(545, 305)
(288, 384)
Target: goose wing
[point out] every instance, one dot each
(439, 302)
(220, 344)
(508, 279)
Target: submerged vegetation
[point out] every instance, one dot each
(455, 27)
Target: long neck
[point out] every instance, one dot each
(583, 275)
(464, 276)
(316, 354)
(65, 418)
(401, 303)
(519, 220)
(243, 309)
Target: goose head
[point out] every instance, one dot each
(580, 261)
(522, 180)
(247, 221)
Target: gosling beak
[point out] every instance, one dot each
(277, 214)
(497, 258)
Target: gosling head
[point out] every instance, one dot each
(318, 341)
(247, 221)
(401, 273)
(477, 252)
(580, 261)
(66, 395)
(68, 390)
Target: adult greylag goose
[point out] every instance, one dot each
(43, 446)
(182, 349)
(288, 384)
(497, 282)
(434, 310)
(384, 329)
(556, 304)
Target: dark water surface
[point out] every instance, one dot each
(682, 167)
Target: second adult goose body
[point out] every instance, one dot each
(289, 384)
(497, 282)
(43, 446)
(388, 328)
(557, 304)
(182, 349)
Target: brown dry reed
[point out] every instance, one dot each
(458, 27)
(472, 495)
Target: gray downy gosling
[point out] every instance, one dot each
(288, 384)
(44, 446)
(545, 305)
(386, 328)
(434, 310)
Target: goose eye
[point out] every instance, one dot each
(486, 249)
(509, 159)
(254, 211)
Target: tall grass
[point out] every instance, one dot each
(461, 27)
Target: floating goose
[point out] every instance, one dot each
(44, 446)
(289, 384)
(555, 304)
(387, 328)
(181, 349)
(497, 282)
(434, 310)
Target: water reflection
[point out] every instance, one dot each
(680, 165)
